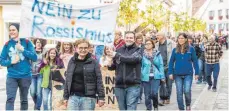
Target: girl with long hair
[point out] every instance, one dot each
(184, 56)
(49, 67)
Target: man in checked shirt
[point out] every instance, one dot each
(213, 53)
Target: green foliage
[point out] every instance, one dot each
(128, 12)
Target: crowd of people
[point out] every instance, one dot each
(142, 63)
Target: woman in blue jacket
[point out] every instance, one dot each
(181, 64)
(152, 74)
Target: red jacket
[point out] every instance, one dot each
(119, 44)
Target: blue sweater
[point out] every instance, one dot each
(23, 68)
(182, 64)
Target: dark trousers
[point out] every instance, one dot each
(12, 84)
(151, 92)
(212, 68)
(169, 84)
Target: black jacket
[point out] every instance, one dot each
(127, 66)
(92, 78)
(199, 52)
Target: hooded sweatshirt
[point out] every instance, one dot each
(22, 69)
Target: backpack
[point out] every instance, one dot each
(26, 40)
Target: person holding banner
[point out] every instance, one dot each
(49, 69)
(127, 66)
(83, 80)
(35, 87)
(17, 55)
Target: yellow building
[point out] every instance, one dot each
(9, 12)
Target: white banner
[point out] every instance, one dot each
(66, 22)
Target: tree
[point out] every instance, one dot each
(183, 22)
(155, 14)
(128, 12)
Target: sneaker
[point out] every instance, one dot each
(204, 82)
(188, 108)
(155, 109)
(214, 90)
(139, 101)
(198, 82)
(161, 103)
(167, 101)
(209, 87)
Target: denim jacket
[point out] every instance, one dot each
(158, 70)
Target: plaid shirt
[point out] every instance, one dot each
(213, 52)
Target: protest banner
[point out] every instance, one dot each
(67, 22)
(109, 84)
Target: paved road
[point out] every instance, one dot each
(202, 99)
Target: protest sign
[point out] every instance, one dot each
(67, 22)
(109, 84)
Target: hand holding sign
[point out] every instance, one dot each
(101, 103)
(19, 47)
(16, 60)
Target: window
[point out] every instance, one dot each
(220, 26)
(211, 13)
(211, 26)
(219, 12)
(227, 26)
(220, 1)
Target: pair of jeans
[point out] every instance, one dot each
(212, 68)
(81, 103)
(12, 84)
(128, 97)
(202, 74)
(36, 90)
(47, 98)
(169, 83)
(183, 87)
(151, 92)
(141, 91)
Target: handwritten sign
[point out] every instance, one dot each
(66, 22)
(109, 84)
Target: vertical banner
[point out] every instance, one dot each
(109, 84)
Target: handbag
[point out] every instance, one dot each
(164, 94)
(56, 76)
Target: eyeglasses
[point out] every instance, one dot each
(181, 38)
(148, 44)
(82, 48)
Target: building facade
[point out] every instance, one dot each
(216, 15)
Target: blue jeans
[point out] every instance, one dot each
(141, 91)
(151, 92)
(12, 84)
(128, 97)
(183, 86)
(36, 90)
(47, 98)
(215, 69)
(81, 103)
(202, 74)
